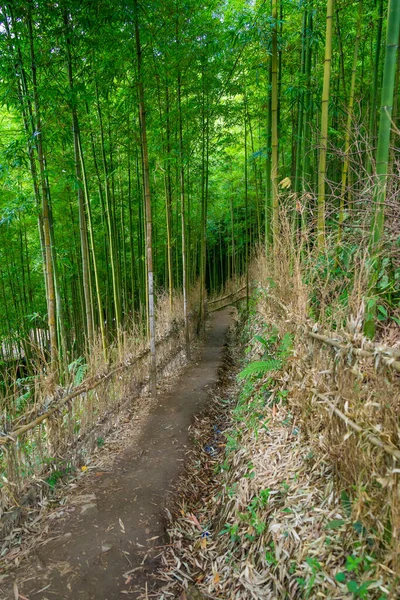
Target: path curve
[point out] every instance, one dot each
(118, 527)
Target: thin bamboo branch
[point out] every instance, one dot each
(227, 296)
(228, 304)
(337, 343)
(389, 362)
(369, 436)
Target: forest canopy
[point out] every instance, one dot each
(161, 142)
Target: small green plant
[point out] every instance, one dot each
(232, 531)
(100, 442)
(308, 584)
(357, 567)
(260, 368)
(232, 490)
(55, 477)
(78, 370)
(270, 555)
(264, 497)
(353, 563)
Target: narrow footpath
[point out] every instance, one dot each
(107, 545)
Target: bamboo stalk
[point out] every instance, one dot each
(395, 364)
(227, 296)
(335, 343)
(382, 156)
(324, 127)
(148, 206)
(369, 436)
(350, 111)
(274, 123)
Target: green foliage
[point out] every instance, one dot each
(57, 475)
(232, 531)
(78, 370)
(260, 368)
(308, 584)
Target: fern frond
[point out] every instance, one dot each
(286, 345)
(260, 368)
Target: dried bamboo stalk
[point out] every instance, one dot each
(369, 436)
(335, 343)
(227, 296)
(394, 364)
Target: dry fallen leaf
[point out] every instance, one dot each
(194, 520)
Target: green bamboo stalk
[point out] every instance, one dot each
(382, 154)
(268, 183)
(274, 121)
(324, 127)
(374, 89)
(350, 110)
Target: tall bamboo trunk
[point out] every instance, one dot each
(382, 153)
(110, 222)
(168, 197)
(147, 199)
(92, 246)
(274, 122)
(374, 88)
(268, 183)
(324, 127)
(350, 112)
(246, 205)
(204, 193)
(306, 151)
(51, 300)
(81, 199)
(183, 223)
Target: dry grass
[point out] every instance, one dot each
(34, 463)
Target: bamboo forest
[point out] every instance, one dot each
(199, 290)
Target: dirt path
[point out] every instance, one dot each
(107, 546)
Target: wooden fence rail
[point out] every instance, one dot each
(214, 300)
(388, 356)
(84, 388)
(60, 435)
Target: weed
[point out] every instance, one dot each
(232, 531)
(308, 584)
(57, 475)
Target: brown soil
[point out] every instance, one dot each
(108, 543)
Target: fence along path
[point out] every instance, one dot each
(107, 541)
(380, 355)
(63, 427)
